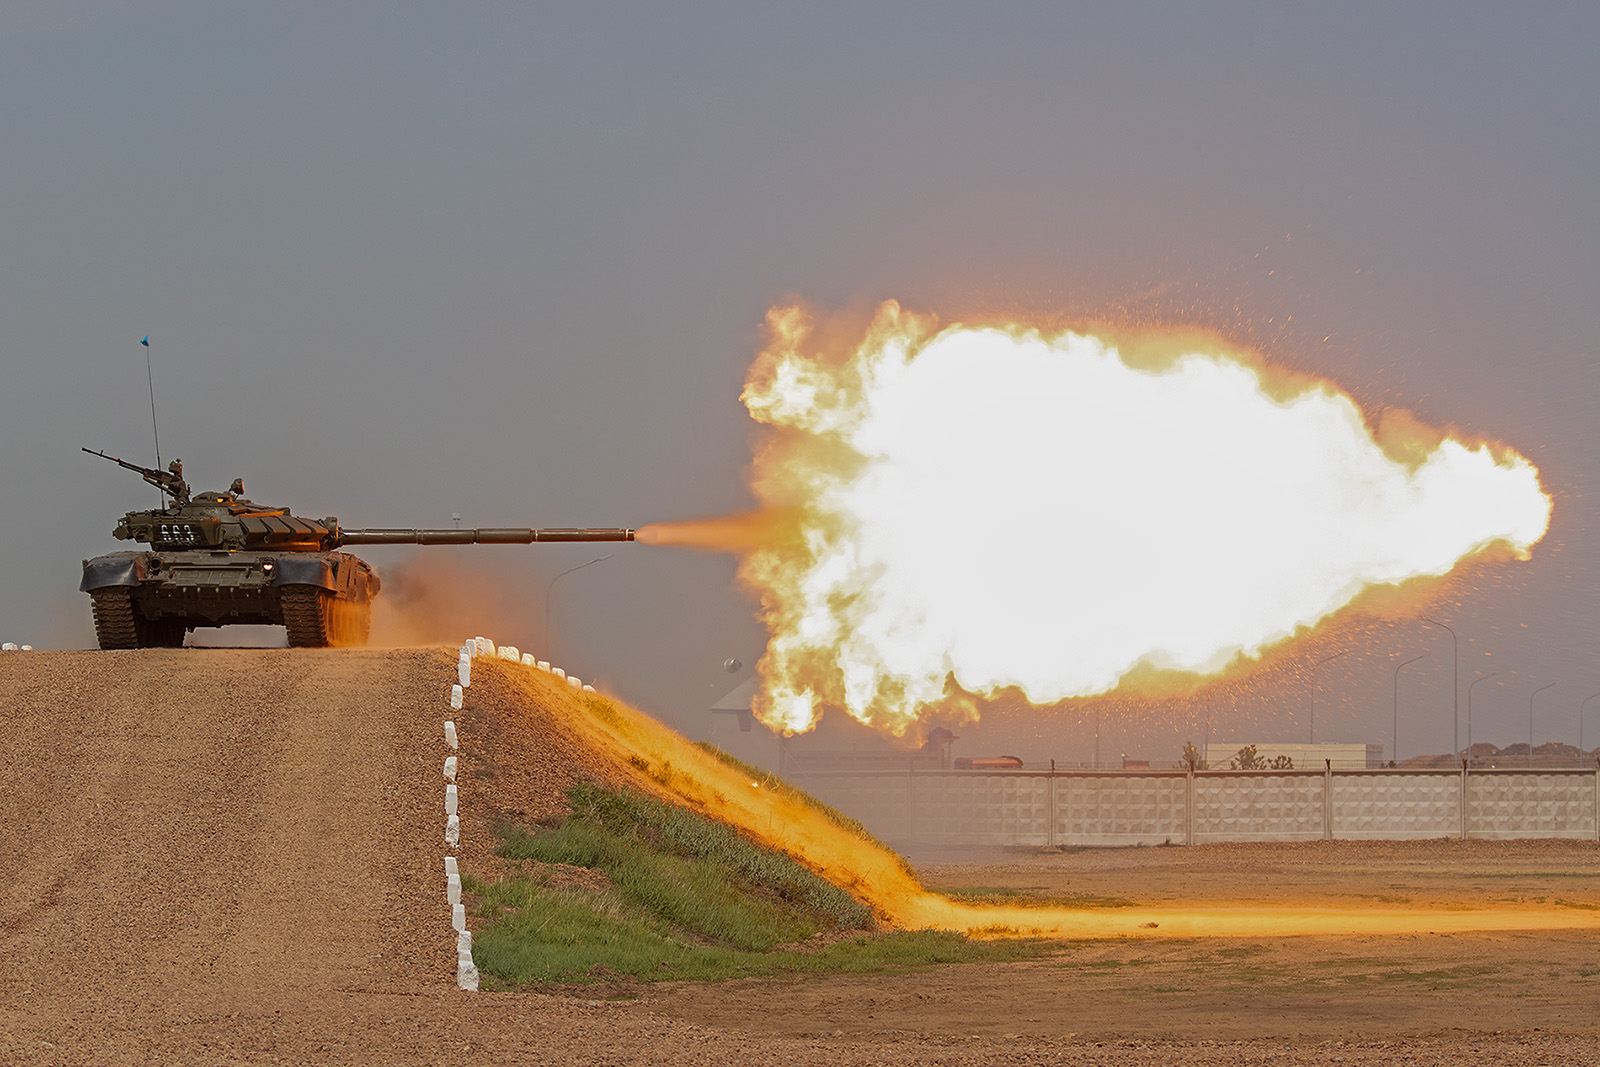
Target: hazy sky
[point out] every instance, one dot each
(402, 260)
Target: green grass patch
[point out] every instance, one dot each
(689, 898)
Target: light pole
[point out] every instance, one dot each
(1394, 730)
(1096, 763)
(1314, 666)
(1485, 678)
(549, 589)
(1455, 706)
(1531, 695)
(1585, 704)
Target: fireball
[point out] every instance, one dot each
(962, 510)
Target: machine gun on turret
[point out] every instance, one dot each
(169, 481)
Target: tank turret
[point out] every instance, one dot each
(217, 559)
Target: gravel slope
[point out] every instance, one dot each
(224, 856)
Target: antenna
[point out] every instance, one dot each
(150, 378)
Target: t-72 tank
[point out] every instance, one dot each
(216, 559)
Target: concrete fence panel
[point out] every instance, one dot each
(1120, 809)
(1259, 806)
(1396, 805)
(1506, 804)
(980, 809)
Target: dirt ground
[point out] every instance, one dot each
(234, 857)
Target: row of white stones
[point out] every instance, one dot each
(12, 646)
(482, 646)
(466, 970)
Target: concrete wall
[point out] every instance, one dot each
(1155, 807)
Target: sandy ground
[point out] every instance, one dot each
(233, 857)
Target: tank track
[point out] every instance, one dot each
(114, 623)
(118, 624)
(315, 618)
(305, 616)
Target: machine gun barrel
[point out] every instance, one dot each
(478, 537)
(169, 482)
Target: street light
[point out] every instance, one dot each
(549, 589)
(1314, 666)
(1585, 704)
(1485, 678)
(1394, 730)
(1455, 706)
(1531, 695)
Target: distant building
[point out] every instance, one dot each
(1220, 756)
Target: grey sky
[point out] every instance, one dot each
(401, 260)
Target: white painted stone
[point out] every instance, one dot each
(450, 737)
(527, 659)
(451, 799)
(510, 652)
(464, 671)
(452, 831)
(558, 672)
(456, 696)
(588, 689)
(452, 889)
(458, 917)
(449, 768)
(466, 970)
(575, 681)
(451, 867)
(9, 646)
(544, 665)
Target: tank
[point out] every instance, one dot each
(220, 559)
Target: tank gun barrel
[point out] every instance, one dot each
(479, 537)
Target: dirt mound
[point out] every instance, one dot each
(234, 856)
(204, 823)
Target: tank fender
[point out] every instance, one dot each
(118, 568)
(304, 570)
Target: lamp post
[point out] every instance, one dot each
(549, 589)
(1394, 730)
(1531, 695)
(1585, 704)
(1314, 666)
(1455, 706)
(1485, 678)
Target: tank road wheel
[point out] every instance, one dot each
(115, 624)
(307, 615)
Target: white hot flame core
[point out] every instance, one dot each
(1002, 508)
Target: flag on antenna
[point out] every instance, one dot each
(146, 341)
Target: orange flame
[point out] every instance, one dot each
(960, 510)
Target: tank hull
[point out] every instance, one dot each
(153, 598)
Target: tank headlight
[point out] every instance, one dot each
(267, 566)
